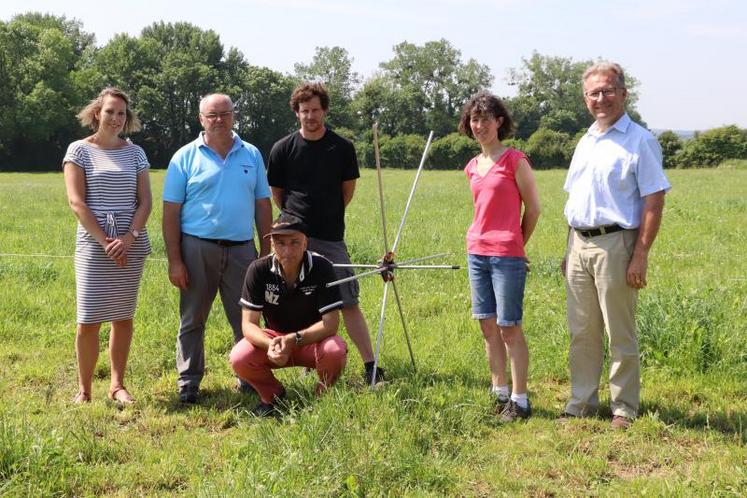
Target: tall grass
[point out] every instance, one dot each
(429, 432)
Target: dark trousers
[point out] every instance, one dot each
(211, 269)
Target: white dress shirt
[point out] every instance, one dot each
(610, 173)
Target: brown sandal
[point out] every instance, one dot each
(121, 396)
(82, 397)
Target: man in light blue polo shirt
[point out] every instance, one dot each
(616, 188)
(215, 188)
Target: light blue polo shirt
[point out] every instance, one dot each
(610, 173)
(217, 195)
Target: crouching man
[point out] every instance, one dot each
(301, 316)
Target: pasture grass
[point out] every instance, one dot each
(426, 433)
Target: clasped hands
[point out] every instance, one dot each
(116, 248)
(280, 349)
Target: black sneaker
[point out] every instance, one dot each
(265, 410)
(269, 409)
(244, 387)
(368, 375)
(512, 411)
(189, 395)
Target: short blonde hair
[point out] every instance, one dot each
(87, 115)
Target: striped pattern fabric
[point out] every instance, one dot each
(104, 291)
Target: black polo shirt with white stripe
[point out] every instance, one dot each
(289, 310)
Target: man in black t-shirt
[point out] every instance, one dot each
(312, 174)
(288, 288)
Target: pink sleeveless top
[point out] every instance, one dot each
(496, 227)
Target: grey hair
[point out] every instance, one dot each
(206, 97)
(606, 67)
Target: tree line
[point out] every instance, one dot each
(50, 67)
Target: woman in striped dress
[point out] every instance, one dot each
(108, 189)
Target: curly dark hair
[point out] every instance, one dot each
(485, 102)
(307, 91)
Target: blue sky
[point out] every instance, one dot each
(688, 55)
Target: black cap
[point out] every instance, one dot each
(287, 223)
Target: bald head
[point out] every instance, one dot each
(220, 99)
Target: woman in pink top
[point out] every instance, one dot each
(501, 181)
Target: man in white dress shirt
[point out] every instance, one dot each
(616, 186)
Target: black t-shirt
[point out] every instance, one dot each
(289, 310)
(311, 173)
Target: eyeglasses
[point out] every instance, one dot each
(215, 115)
(607, 92)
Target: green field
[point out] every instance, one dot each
(427, 433)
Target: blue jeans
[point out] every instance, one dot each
(497, 284)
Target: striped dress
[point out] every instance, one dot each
(106, 292)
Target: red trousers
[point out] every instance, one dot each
(327, 357)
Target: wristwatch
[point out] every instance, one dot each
(135, 233)
(299, 338)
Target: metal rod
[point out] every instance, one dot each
(379, 268)
(415, 260)
(404, 325)
(412, 191)
(428, 267)
(381, 184)
(353, 265)
(406, 262)
(380, 335)
(401, 266)
(356, 277)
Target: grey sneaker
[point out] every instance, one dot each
(620, 423)
(501, 400)
(512, 411)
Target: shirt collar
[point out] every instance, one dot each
(620, 125)
(306, 265)
(236, 140)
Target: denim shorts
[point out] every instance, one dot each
(497, 284)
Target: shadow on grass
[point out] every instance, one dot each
(732, 423)
(214, 399)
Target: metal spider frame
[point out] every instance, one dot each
(387, 265)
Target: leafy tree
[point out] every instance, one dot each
(333, 66)
(402, 151)
(671, 144)
(39, 94)
(549, 149)
(263, 114)
(713, 146)
(364, 150)
(189, 65)
(422, 88)
(452, 151)
(381, 101)
(550, 95)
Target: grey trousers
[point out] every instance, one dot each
(211, 269)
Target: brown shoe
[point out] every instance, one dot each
(620, 423)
